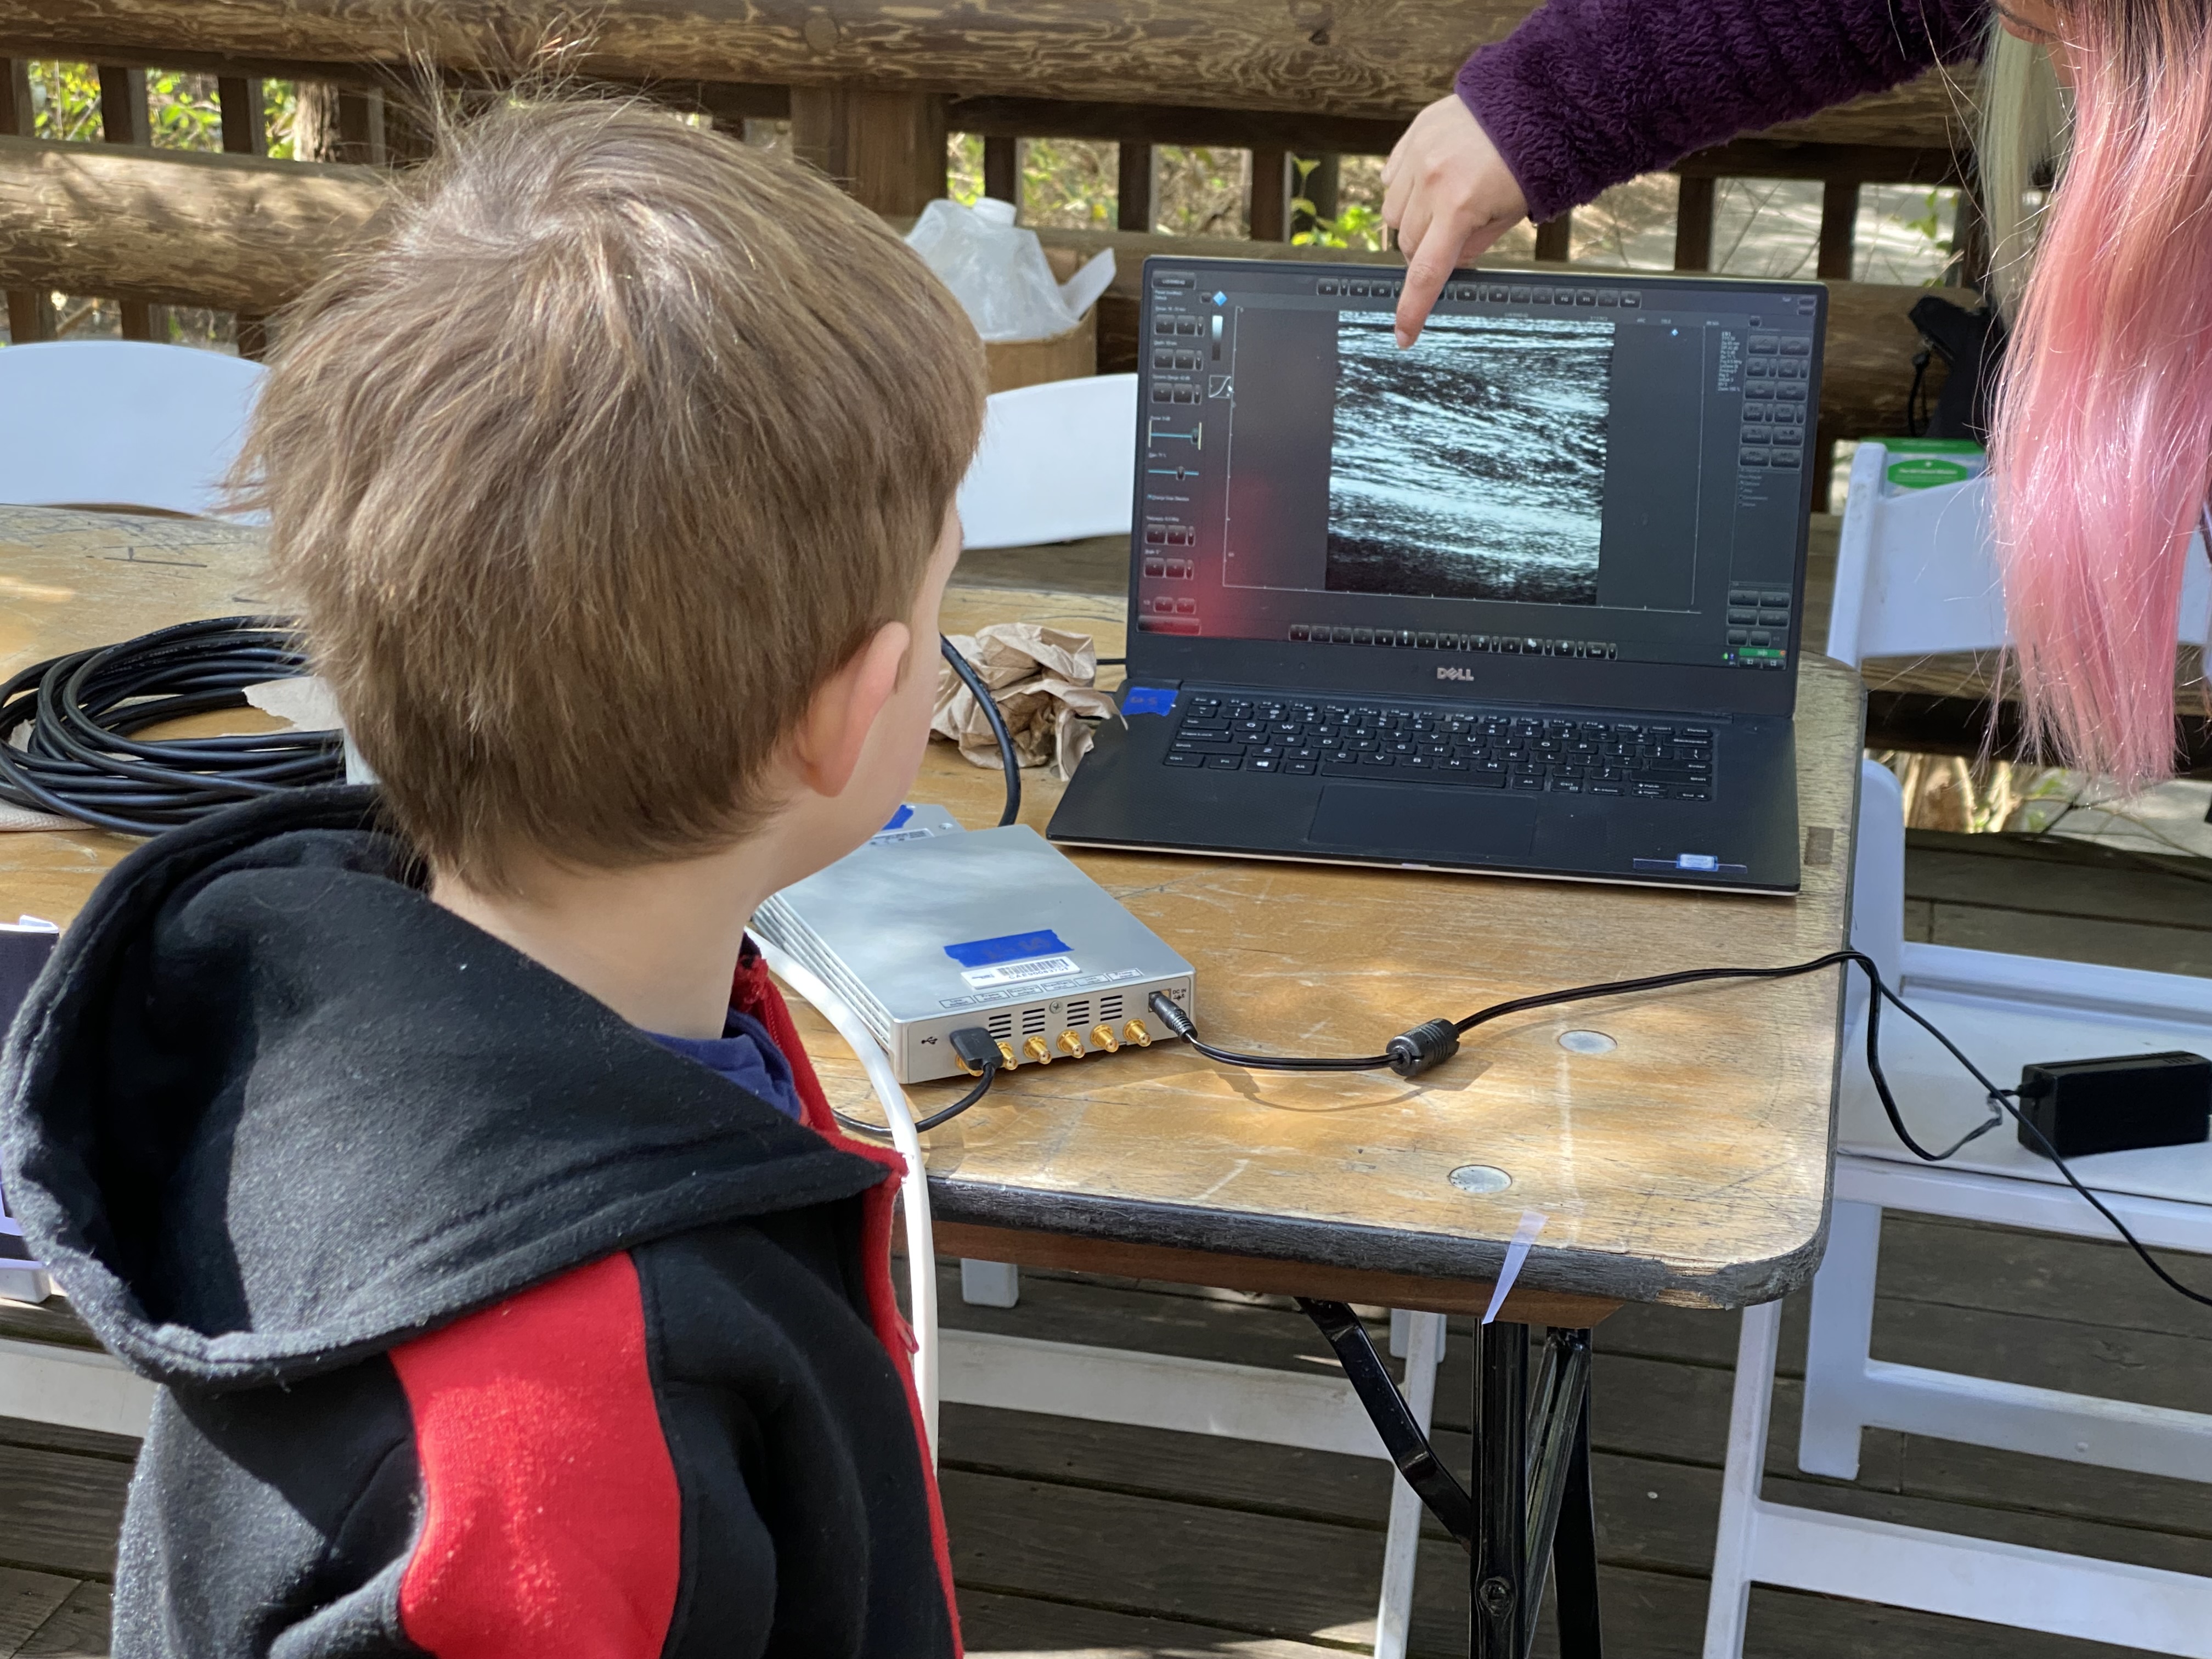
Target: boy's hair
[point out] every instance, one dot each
(614, 445)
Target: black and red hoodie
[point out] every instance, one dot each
(486, 1327)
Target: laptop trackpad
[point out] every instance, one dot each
(1459, 825)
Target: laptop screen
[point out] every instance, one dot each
(1592, 465)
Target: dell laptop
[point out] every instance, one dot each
(1525, 599)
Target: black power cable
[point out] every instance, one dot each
(77, 715)
(1431, 1044)
(978, 1053)
(1007, 760)
(922, 1126)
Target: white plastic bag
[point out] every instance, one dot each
(997, 272)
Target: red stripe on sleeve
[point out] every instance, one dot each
(552, 1523)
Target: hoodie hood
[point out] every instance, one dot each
(269, 1109)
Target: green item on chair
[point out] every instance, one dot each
(1924, 463)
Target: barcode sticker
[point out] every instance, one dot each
(1020, 973)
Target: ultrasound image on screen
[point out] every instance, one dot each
(1473, 466)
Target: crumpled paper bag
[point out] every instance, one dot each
(1041, 678)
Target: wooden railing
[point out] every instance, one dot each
(858, 83)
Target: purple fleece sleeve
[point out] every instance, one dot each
(1585, 93)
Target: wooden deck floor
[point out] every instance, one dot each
(1077, 1539)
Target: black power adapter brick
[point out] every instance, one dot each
(2117, 1105)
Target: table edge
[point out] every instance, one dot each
(1343, 1247)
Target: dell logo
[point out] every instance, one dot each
(1455, 673)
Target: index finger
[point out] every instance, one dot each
(1430, 267)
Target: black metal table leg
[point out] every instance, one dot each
(1574, 1554)
(1500, 1560)
(1531, 1507)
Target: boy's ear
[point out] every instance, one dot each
(826, 746)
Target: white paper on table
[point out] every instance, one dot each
(302, 699)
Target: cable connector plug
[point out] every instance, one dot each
(1172, 1017)
(1414, 1052)
(975, 1048)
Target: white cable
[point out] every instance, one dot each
(914, 1191)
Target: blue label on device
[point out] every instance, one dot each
(1149, 700)
(1012, 947)
(898, 818)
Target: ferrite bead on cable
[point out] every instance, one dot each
(1415, 1051)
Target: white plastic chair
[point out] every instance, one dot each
(1058, 462)
(1917, 575)
(2003, 1011)
(121, 424)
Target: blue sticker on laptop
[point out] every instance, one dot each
(1149, 700)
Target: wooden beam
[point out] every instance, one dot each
(1693, 223)
(16, 113)
(1865, 164)
(30, 313)
(1267, 201)
(730, 104)
(1301, 131)
(241, 233)
(886, 149)
(1840, 220)
(244, 110)
(1136, 186)
(124, 119)
(361, 128)
(123, 115)
(1969, 240)
(1306, 133)
(245, 114)
(1555, 238)
(1002, 169)
(1383, 61)
(175, 226)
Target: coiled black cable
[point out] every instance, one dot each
(67, 725)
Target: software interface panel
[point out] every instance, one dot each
(1586, 466)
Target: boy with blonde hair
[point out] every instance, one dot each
(511, 1289)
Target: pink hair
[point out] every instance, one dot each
(2102, 454)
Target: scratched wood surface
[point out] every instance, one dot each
(1689, 1164)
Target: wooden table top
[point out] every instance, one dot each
(1688, 1164)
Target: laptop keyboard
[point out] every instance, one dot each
(1446, 743)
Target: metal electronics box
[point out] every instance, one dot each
(929, 928)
